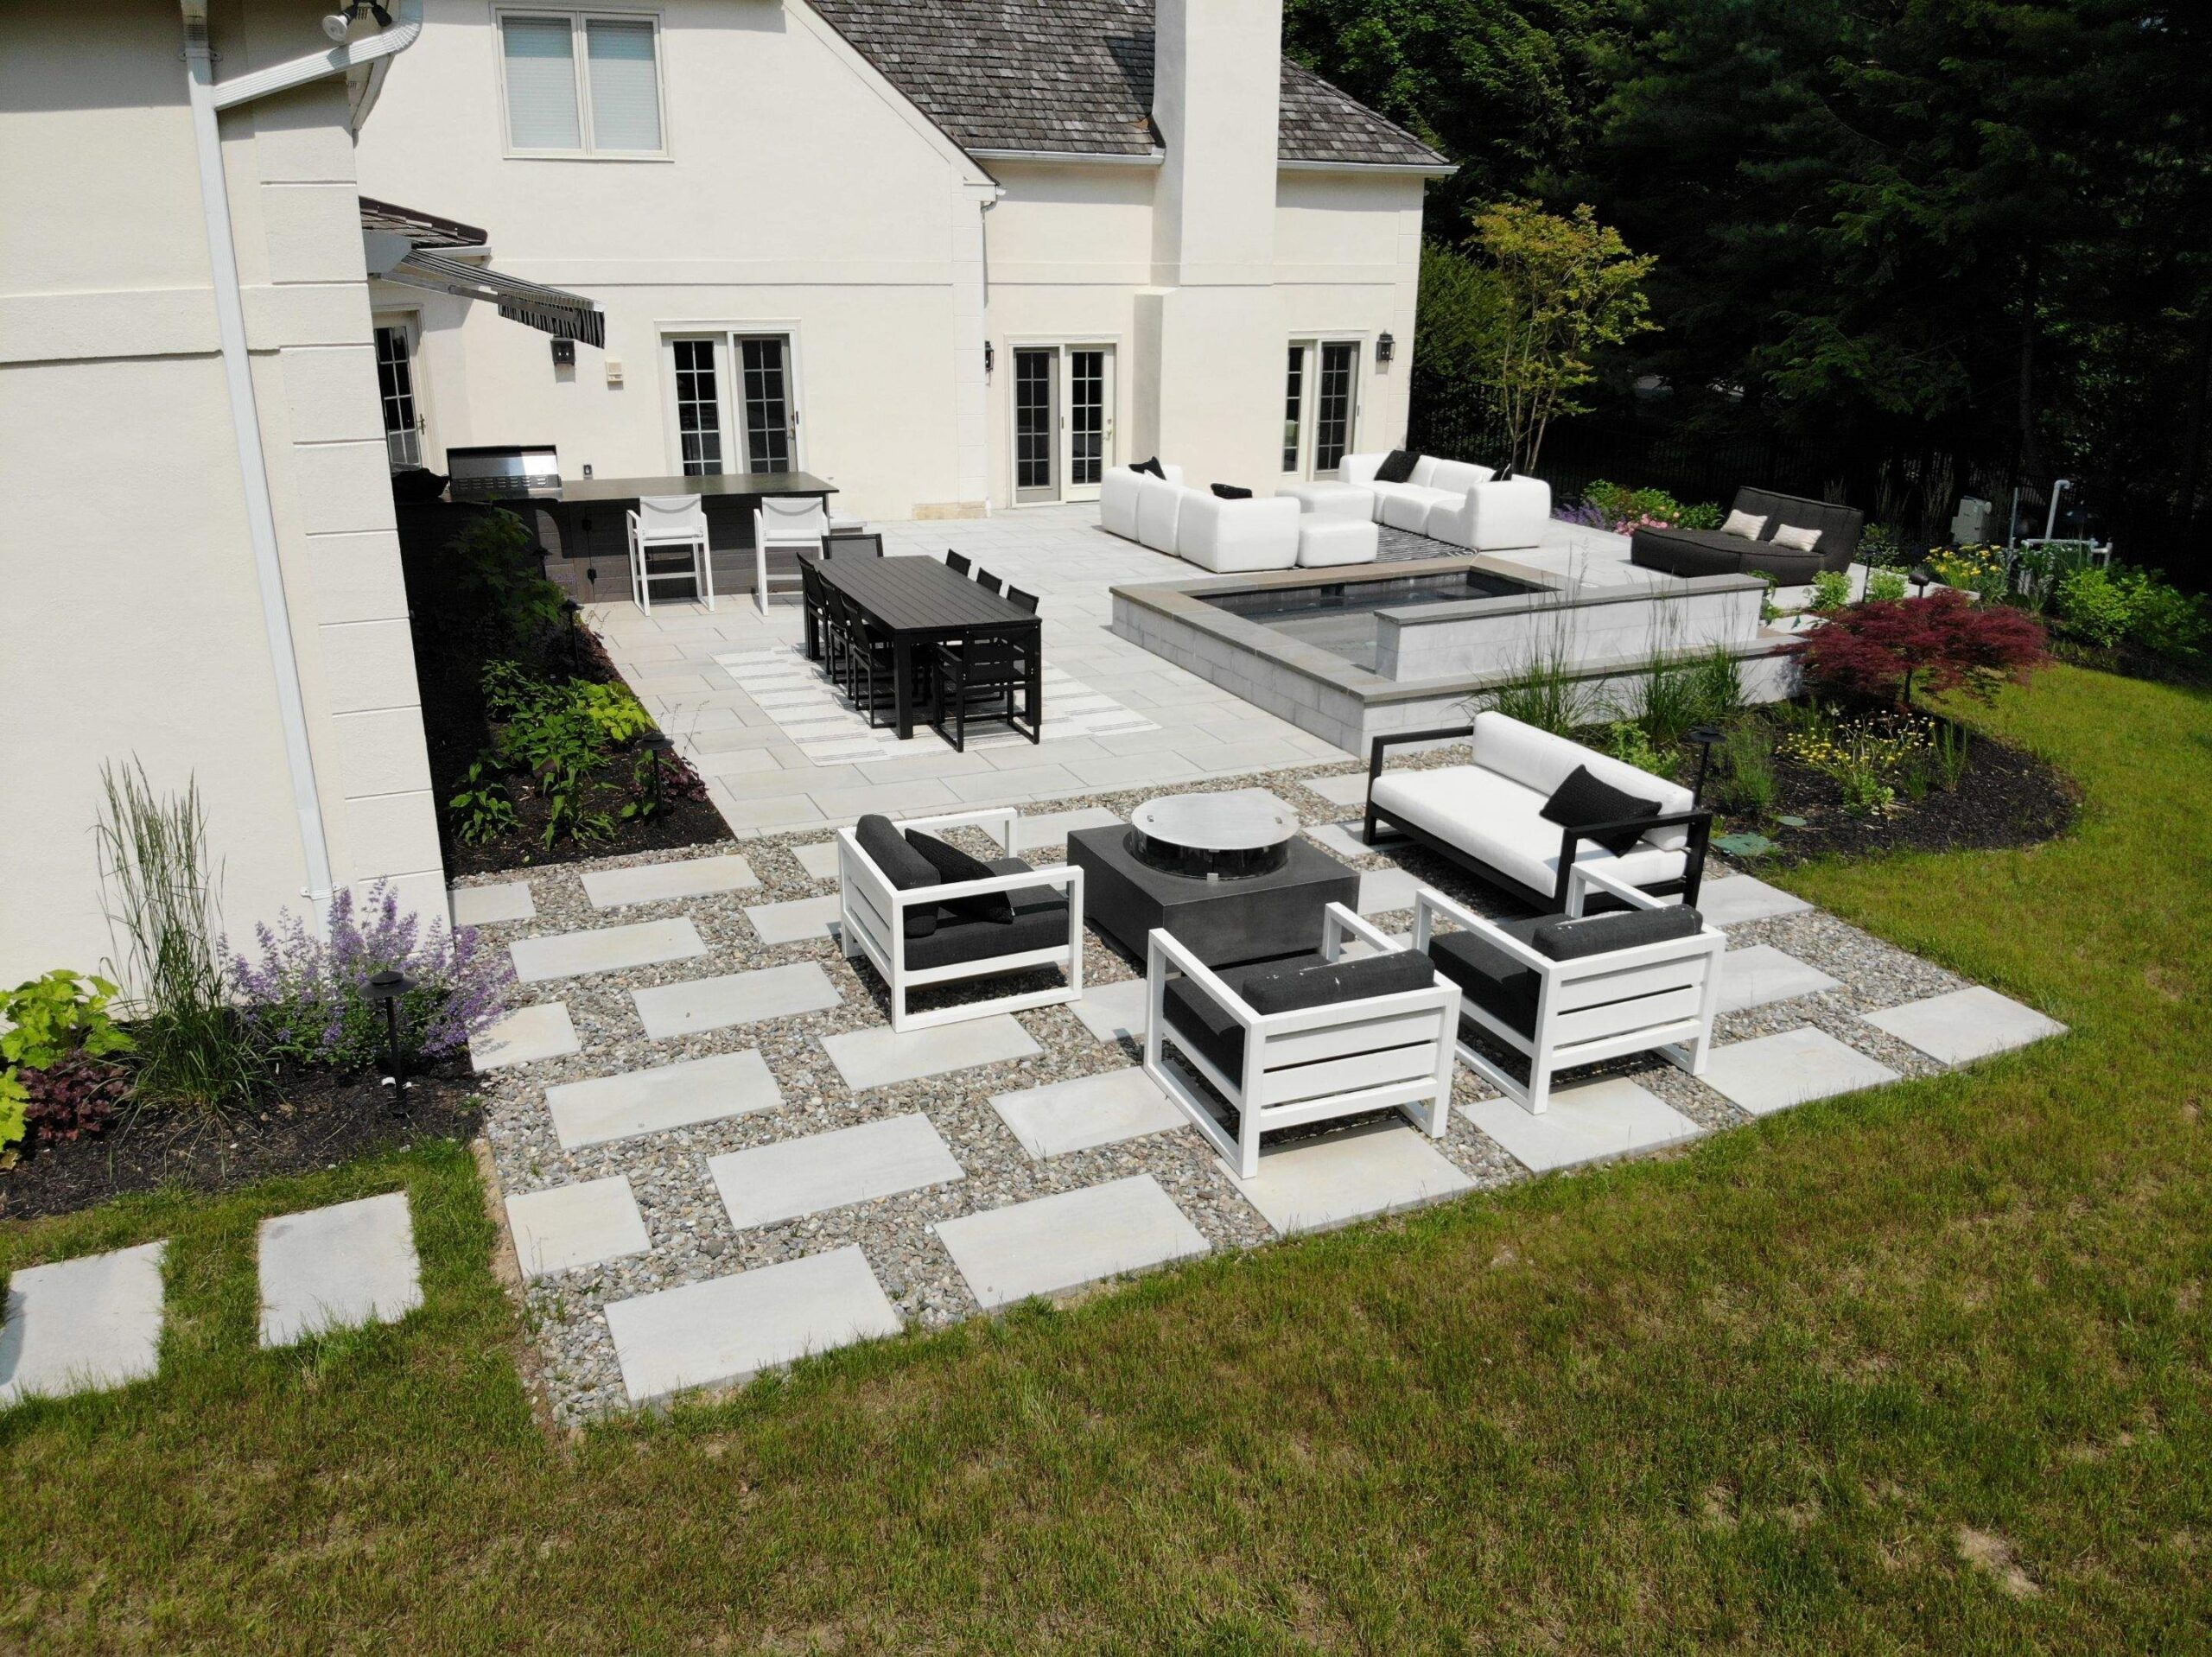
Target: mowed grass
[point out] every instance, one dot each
(1925, 1370)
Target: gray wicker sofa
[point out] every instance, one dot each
(1709, 552)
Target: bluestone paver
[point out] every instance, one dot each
(794, 922)
(804, 1176)
(819, 860)
(1965, 1025)
(82, 1325)
(654, 883)
(525, 1036)
(1792, 1067)
(1110, 1010)
(1742, 897)
(1610, 1118)
(1103, 1109)
(735, 998)
(337, 1268)
(565, 1227)
(1335, 1178)
(606, 948)
(879, 1056)
(1760, 973)
(1060, 1241)
(661, 1097)
(483, 905)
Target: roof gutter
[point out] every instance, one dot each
(1085, 157)
(1373, 168)
(208, 99)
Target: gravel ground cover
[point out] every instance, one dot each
(691, 1234)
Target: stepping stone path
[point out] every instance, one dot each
(1794, 1068)
(727, 1328)
(654, 883)
(525, 1036)
(1740, 898)
(485, 906)
(1612, 1118)
(1340, 839)
(796, 922)
(1073, 1238)
(1760, 973)
(82, 1325)
(801, 1177)
(1112, 1011)
(569, 1226)
(337, 1268)
(606, 948)
(1340, 790)
(819, 860)
(1053, 828)
(735, 998)
(1092, 1110)
(877, 1057)
(666, 1096)
(1966, 1024)
(1335, 1178)
(1383, 890)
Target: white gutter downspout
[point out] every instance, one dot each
(207, 99)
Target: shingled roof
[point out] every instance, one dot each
(1075, 77)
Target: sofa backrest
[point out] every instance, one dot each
(1360, 468)
(1537, 759)
(1840, 526)
(1159, 507)
(1207, 525)
(1424, 469)
(1457, 476)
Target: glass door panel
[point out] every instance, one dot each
(1090, 419)
(403, 423)
(1036, 424)
(698, 407)
(1334, 404)
(770, 422)
(1293, 413)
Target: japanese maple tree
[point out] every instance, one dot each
(1943, 642)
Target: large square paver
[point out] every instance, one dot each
(1112, 1011)
(728, 1329)
(1342, 839)
(1741, 898)
(829, 1170)
(880, 1057)
(1612, 1118)
(82, 1325)
(1965, 1025)
(733, 999)
(794, 922)
(1335, 1178)
(484, 905)
(1760, 973)
(337, 1268)
(1382, 890)
(568, 1226)
(606, 948)
(1339, 790)
(525, 1036)
(665, 1096)
(654, 883)
(1092, 1110)
(1058, 1242)
(818, 860)
(1775, 1072)
(1052, 828)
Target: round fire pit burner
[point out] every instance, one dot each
(1213, 836)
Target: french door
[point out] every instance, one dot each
(1320, 406)
(402, 418)
(1063, 421)
(736, 409)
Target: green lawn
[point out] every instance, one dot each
(1759, 1395)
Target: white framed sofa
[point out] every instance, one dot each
(1488, 815)
(1568, 990)
(1303, 1040)
(917, 928)
(1457, 501)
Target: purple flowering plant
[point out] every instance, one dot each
(306, 998)
(1587, 514)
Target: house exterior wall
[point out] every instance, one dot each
(132, 621)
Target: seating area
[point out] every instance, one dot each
(1786, 536)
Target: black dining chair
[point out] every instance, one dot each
(986, 679)
(873, 666)
(855, 543)
(1026, 601)
(841, 618)
(957, 563)
(989, 582)
(810, 594)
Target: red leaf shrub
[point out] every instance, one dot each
(75, 1095)
(1943, 641)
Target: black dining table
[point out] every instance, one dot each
(919, 602)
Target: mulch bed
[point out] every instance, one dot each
(303, 1125)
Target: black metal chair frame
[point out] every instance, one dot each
(958, 562)
(1003, 664)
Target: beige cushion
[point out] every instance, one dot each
(1795, 539)
(1745, 524)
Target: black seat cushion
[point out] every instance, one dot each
(1712, 552)
(1153, 466)
(1231, 492)
(1502, 986)
(1285, 986)
(1039, 922)
(900, 864)
(1397, 466)
(1582, 800)
(1839, 527)
(952, 864)
(1570, 940)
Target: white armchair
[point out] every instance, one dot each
(1304, 1040)
(796, 522)
(1230, 536)
(669, 523)
(1495, 517)
(918, 928)
(1568, 990)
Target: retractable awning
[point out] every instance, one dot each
(419, 250)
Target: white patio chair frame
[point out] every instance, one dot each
(1651, 997)
(1314, 1062)
(764, 536)
(872, 922)
(643, 544)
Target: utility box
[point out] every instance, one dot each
(1970, 525)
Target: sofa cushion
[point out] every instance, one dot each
(1205, 1027)
(1592, 934)
(1326, 540)
(1407, 506)
(1397, 466)
(1840, 526)
(1709, 552)
(1583, 799)
(1227, 537)
(1541, 761)
(1040, 921)
(1498, 822)
(952, 864)
(907, 869)
(1495, 981)
(1153, 466)
(1332, 983)
(1160, 507)
(1231, 492)
(1457, 477)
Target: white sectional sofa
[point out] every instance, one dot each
(1456, 501)
(1120, 492)
(1488, 815)
(1227, 537)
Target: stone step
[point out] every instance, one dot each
(1741, 898)
(1759, 974)
(1382, 890)
(485, 906)
(82, 1325)
(1112, 1011)
(738, 998)
(566, 1227)
(524, 1037)
(880, 1057)
(1792, 1067)
(666, 1096)
(1333, 1179)
(818, 860)
(606, 948)
(795, 1177)
(654, 883)
(796, 922)
(1612, 1118)
(337, 1268)
(1062, 1241)
(1965, 1025)
(1092, 1110)
(727, 1329)
(1340, 790)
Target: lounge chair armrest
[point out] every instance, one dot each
(1060, 874)
(1161, 951)
(1429, 904)
(1375, 758)
(1337, 920)
(1698, 822)
(1580, 877)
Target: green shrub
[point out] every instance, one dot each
(1745, 763)
(1717, 686)
(49, 1019)
(500, 587)
(1705, 515)
(1625, 741)
(1831, 590)
(1880, 545)
(1885, 586)
(2094, 608)
(2100, 607)
(483, 809)
(2167, 619)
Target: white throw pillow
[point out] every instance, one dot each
(1795, 539)
(1745, 524)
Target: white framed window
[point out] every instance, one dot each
(582, 83)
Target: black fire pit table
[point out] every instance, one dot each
(1227, 874)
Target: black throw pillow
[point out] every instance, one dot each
(1397, 466)
(1332, 984)
(952, 864)
(1594, 934)
(1230, 491)
(1582, 799)
(1153, 466)
(905, 867)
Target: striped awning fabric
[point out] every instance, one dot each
(550, 310)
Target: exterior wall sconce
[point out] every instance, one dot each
(1385, 347)
(991, 359)
(564, 353)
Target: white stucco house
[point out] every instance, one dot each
(955, 256)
